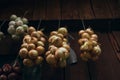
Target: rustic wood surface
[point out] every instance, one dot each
(61, 9)
(108, 65)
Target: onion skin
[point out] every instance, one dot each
(24, 45)
(57, 41)
(38, 60)
(23, 53)
(35, 34)
(34, 40)
(85, 35)
(7, 68)
(31, 29)
(31, 46)
(43, 39)
(51, 59)
(63, 31)
(33, 54)
(89, 31)
(3, 77)
(40, 43)
(27, 39)
(53, 33)
(28, 62)
(95, 37)
(81, 32)
(40, 50)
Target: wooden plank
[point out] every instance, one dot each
(101, 9)
(39, 9)
(84, 8)
(18, 9)
(53, 9)
(74, 9)
(66, 9)
(78, 71)
(107, 67)
(115, 8)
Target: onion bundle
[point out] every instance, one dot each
(58, 50)
(89, 46)
(33, 47)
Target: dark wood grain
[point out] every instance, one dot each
(66, 9)
(85, 10)
(101, 9)
(115, 8)
(39, 10)
(18, 9)
(53, 9)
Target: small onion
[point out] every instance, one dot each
(40, 43)
(13, 17)
(19, 30)
(28, 62)
(33, 54)
(24, 45)
(40, 50)
(90, 31)
(31, 46)
(85, 35)
(35, 34)
(51, 59)
(53, 33)
(27, 39)
(38, 60)
(34, 40)
(81, 32)
(31, 29)
(63, 31)
(23, 53)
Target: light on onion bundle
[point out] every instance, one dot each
(33, 47)
(58, 50)
(89, 46)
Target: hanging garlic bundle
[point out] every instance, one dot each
(33, 47)
(17, 26)
(89, 46)
(58, 50)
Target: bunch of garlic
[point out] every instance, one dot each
(89, 46)
(33, 47)
(17, 26)
(58, 50)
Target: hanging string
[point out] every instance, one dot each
(39, 24)
(16, 59)
(70, 36)
(83, 24)
(59, 23)
(2, 24)
(26, 12)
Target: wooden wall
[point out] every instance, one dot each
(61, 9)
(108, 65)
